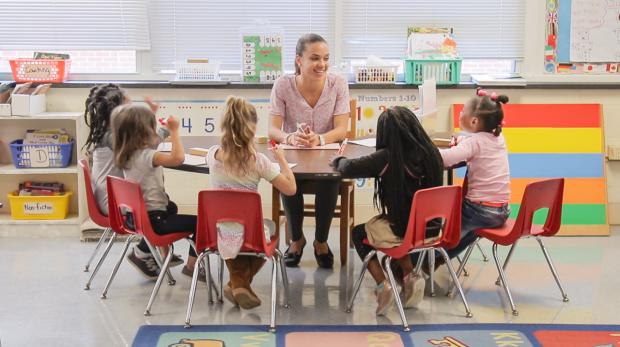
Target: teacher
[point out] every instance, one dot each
(310, 108)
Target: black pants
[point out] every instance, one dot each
(169, 222)
(325, 201)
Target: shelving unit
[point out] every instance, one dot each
(13, 128)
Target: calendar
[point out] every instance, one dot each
(262, 58)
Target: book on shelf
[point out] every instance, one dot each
(503, 79)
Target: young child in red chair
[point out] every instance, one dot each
(483, 148)
(235, 164)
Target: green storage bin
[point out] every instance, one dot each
(445, 71)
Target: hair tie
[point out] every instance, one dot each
(494, 96)
(503, 123)
(481, 92)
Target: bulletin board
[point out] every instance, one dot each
(582, 36)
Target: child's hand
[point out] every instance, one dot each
(172, 123)
(154, 106)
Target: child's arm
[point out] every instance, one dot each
(176, 157)
(285, 181)
(463, 151)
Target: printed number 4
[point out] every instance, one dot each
(209, 125)
(187, 124)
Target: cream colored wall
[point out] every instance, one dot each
(183, 187)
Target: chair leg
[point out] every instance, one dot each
(352, 214)
(192, 290)
(344, 224)
(455, 280)
(220, 272)
(157, 256)
(465, 273)
(431, 270)
(274, 299)
(284, 278)
(508, 257)
(552, 268)
(462, 266)
(399, 303)
(104, 235)
(358, 283)
(118, 264)
(160, 279)
(502, 277)
(484, 255)
(103, 256)
(207, 266)
(418, 266)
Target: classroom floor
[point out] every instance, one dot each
(43, 301)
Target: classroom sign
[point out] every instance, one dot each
(262, 58)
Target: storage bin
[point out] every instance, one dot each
(198, 71)
(40, 70)
(375, 74)
(49, 155)
(39, 207)
(444, 71)
(28, 105)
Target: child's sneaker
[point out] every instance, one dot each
(413, 290)
(147, 266)
(202, 275)
(176, 260)
(385, 297)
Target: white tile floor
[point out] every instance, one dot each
(42, 301)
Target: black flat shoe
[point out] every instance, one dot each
(293, 259)
(325, 261)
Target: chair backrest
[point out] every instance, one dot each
(437, 202)
(353, 119)
(538, 195)
(93, 208)
(242, 206)
(127, 211)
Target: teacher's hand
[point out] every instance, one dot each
(309, 139)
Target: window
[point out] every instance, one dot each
(183, 29)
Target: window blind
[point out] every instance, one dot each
(482, 28)
(74, 25)
(183, 29)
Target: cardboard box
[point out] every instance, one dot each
(5, 109)
(28, 105)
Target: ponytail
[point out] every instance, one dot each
(238, 129)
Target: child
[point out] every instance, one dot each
(406, 160)
(133, 137)
(235, 164)
(488, 177)
(101, 100)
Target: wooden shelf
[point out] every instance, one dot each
(10, 169)
(72, 219)
(46, 115)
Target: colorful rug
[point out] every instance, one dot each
(442, 335)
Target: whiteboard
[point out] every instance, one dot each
(595, 31)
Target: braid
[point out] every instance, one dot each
(101, 101)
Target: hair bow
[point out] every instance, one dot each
(484, 92)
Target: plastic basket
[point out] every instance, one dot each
(40, 70)
(198, 71)
(375, 74)
(39, 207)
(57, 155)
(444, 71)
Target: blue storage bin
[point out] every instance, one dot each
(59, 155)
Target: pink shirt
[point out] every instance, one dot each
(287, 102)
(488, 174)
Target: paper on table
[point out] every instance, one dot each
(371, 142)
(292, 165)
(165, 147)
(195, 160)
(327, 146)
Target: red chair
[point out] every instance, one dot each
(238, 206)
(428, 204)
(125, 199)
(538, 195)
(98, 218)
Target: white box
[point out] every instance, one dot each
(5, 109)
(28, 105)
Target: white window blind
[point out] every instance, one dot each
(183, 29)
(74, 25)
(482, 28)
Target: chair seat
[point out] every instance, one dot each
(499, 235)
(165, 240)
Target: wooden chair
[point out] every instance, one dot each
(345, 210)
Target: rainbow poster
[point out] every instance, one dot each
(550, 141)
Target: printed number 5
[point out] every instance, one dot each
(209, 125)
